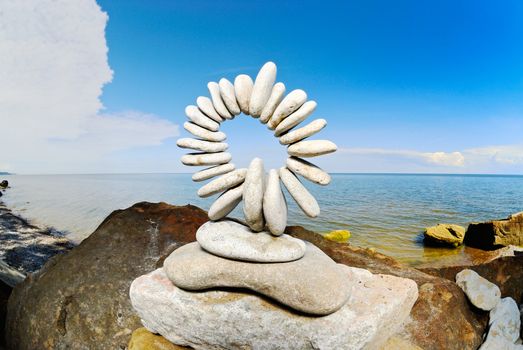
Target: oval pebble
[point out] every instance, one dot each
(302, 197)
(308, 170)
(225, 203)
(243, 85)
(223, 183)
(200, 145)
(198, 159)
(206, 106)
(228, 96)
(262, 88)
(198, 118)
(211, 172)
(296, 118)
(253, 195)
(217, 101)
(198, 131)
(277, 93)
(274, 205)
(294, 100)
(303, 132)
(311, 148)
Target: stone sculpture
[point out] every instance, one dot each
(250, 286)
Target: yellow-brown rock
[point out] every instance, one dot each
(142, 339)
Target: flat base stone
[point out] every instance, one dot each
(237, 320)
(232, 240)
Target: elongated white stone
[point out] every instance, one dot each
(308, 170)
(217, 101)
(197, 117)
(311, 148)
(212, 172)
(303, 132)
(226, 203)
(296, 118)
(277, 93)
(223, 183)
(206, 158)
(200, 145)
(274, 205)
(206, 106)
(288, 105)
(243, 85)
(262, 88)
(228, 96)
(253, 195)
(198, 131)
(303, 198)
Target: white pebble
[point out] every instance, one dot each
(206, 106)
(482, 293)
(308, 170)
(228, 96)
(243, 85)
(262, 88)
(198, 159)
(253, 195)
(197, 117)
(296, 118)
(223, 183)
(204, 146)
(274, 205)
(303, 132)
(303, 198)
(288, 105)
(225, 203)
(312, 148)
(212, 172)
(274, 100)
(198, 131)
(217, 101)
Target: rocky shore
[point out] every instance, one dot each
(80, 299)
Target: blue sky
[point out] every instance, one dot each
(399, 82)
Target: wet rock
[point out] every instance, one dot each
(142, 339)
(4, 184)
(80, 300)
(496, 233)
(446, 234)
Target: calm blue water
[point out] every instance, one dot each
(387, 212)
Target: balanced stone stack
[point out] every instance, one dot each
(250, 286)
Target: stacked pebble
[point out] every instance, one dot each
(264, 202)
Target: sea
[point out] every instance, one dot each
(386, 212)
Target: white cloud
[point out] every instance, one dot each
(502, 154)
(53, 66)
(453, 159)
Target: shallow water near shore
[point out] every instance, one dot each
(387, 212)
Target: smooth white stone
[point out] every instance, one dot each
(376, 310)
(312, 148)
(296, 118)
(225, 203)
(243, 85)
(197, 117)
(217, 102)
(274, 205)
(228, 96)
(232, 240)
(208, 173)
(504, 323)
(198, 159)
(206, 106)
(223, 183)
(277, 93)
(294, 100)
(481, 293)
(303, 132)
(303, 198)
(253, 195)
(198, 131)
(200, 145)
(308, 170)
(262, 88)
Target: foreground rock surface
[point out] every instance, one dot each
(446, 234)
(232, 240)
(496, 233)
(211, 320)
(504, 324)
(80, 300)
(481, 292)
(313, 284)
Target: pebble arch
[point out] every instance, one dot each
(264, 207)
